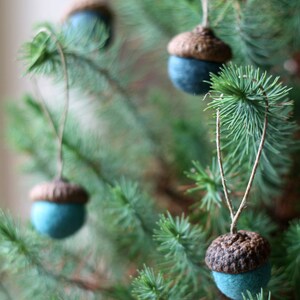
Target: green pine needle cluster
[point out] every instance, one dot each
(148, 285)
(259, 296)
(207, 181)
(182, 246)
(242, 94)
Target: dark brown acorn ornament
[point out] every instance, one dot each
(239, 260)
(193, 55)
(239, 263)
(58, 209)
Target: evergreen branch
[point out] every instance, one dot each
(259, 296)
(182, 245)
(49, 64)
(126, 195)
(289, 18)
(255, 38)
(69, 143)
(149, 286)
(130, 217)
(240, 93)
(20, 251)
(182, 15)
(118, 88)
(208, 182)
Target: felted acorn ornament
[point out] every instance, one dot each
(239, 263)
(58, 209)
(85, 13)
(193, 55)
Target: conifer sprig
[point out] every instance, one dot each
(208, 182)
(19, 251)
(30, 128)
(240, 94)
(24, 254)
(150, 286)
(260, 296)
(182, 245)
(130, 216)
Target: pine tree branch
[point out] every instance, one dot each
(118, 88)
(68, 144)
(21, 247)
(181, 244)
(150, 286)
(181, 200)
(240, 94)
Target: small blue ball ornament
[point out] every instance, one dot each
(193, 56)
(239, 263)
(86, 13)
(58, 210)
(57, 220)
(190, 74)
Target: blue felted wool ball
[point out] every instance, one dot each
(85, 13)
(82, 19)
(189, 74)
(58, 210)
(234, 285)
(239, 262)
(193, 56)
(57, 220)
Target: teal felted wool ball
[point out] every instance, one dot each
(189, 74)
(239, 263)
(86, 13)
(234, 285)
(58, 210)
(193, 55)
(57, 220)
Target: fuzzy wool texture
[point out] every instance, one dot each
(57, 220)
(233, 285)
(188, 74)
(82, 19)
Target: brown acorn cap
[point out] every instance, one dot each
(202, 44)
(237, 253)
(100, 6)
(59, 191)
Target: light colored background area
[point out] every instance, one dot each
(16, 21)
